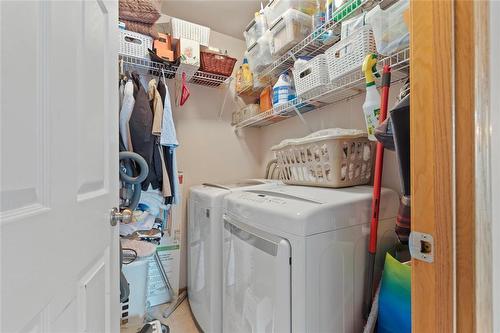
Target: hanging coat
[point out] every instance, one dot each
(141, 124)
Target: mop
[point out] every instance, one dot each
(379, 160)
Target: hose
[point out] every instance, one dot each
(141, 162)
(127, 175)
(268, 167)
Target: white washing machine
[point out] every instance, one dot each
(294, 257)
(205, 249)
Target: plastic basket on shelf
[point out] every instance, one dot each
(135, 44)
(217, 63)
(249, 111)
(329, 158)
(312, 75)
(347, 55)
(185, 29)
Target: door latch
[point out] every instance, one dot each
(124, 216)
(421, 246)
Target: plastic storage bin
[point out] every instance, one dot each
(276, 8)
(311, 75)
(347, 55)
(192, 31)
(330, 158)
(390, 27)
(135, 44)
(255, 29)
(292, 27)
(259, 54)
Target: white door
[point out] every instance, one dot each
(59, 166)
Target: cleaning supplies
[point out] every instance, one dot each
(246, 75)
(371, 106)
(266, 101)
(282, 90)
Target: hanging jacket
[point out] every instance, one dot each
(141, 124)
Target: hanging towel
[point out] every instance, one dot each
(125, 114)
(156, 106)
(168, 134)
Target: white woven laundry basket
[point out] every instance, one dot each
(312, 75)
(347, 55)
(135, 44)
(329, 158)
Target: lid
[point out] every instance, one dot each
(215, 189)
(329, 133)
(290, 14)
(245, 61)
(304, 211)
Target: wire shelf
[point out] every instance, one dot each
(345, 87)
(313, 44)
(154, 68)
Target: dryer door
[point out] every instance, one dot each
(257, 276)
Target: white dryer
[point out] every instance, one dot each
(205, 229)
(294, 257)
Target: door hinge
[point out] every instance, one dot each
(421, 246)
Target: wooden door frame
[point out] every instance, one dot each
(449, 88)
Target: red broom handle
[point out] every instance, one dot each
(379, 162)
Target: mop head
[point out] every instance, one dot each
(143, 249)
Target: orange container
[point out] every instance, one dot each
(266, 99)
(163, 46)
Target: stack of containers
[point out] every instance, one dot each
(276, 8)
(288, 30)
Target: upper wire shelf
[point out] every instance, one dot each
(346, 87)
(154, 68)
(313, 44)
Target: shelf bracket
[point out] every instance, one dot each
(302, 119)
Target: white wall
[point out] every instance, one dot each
(347, 114)
(209, 150)
(495, 155)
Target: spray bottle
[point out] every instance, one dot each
(371, 106)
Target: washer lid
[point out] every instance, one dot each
(210, 192)
(304, 211)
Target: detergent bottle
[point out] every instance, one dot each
(246, 75)
(282, 90)
(371, 106)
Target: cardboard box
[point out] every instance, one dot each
(188, 51)
(163, 47)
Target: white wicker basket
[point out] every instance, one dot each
(347, 55)
(135, 44)
(328, 158)
(311, 75)
(185, 29)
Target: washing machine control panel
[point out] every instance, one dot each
(262, 198)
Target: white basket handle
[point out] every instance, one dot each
(305, 73)
(133, 40)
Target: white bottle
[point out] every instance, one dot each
(371, 106)
(371, 109)
(282, 90)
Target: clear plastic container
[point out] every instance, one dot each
(276, 8)
(255, 29)
(259, 54)
(288, 30)
(390, 28)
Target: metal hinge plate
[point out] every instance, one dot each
(421, 246)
